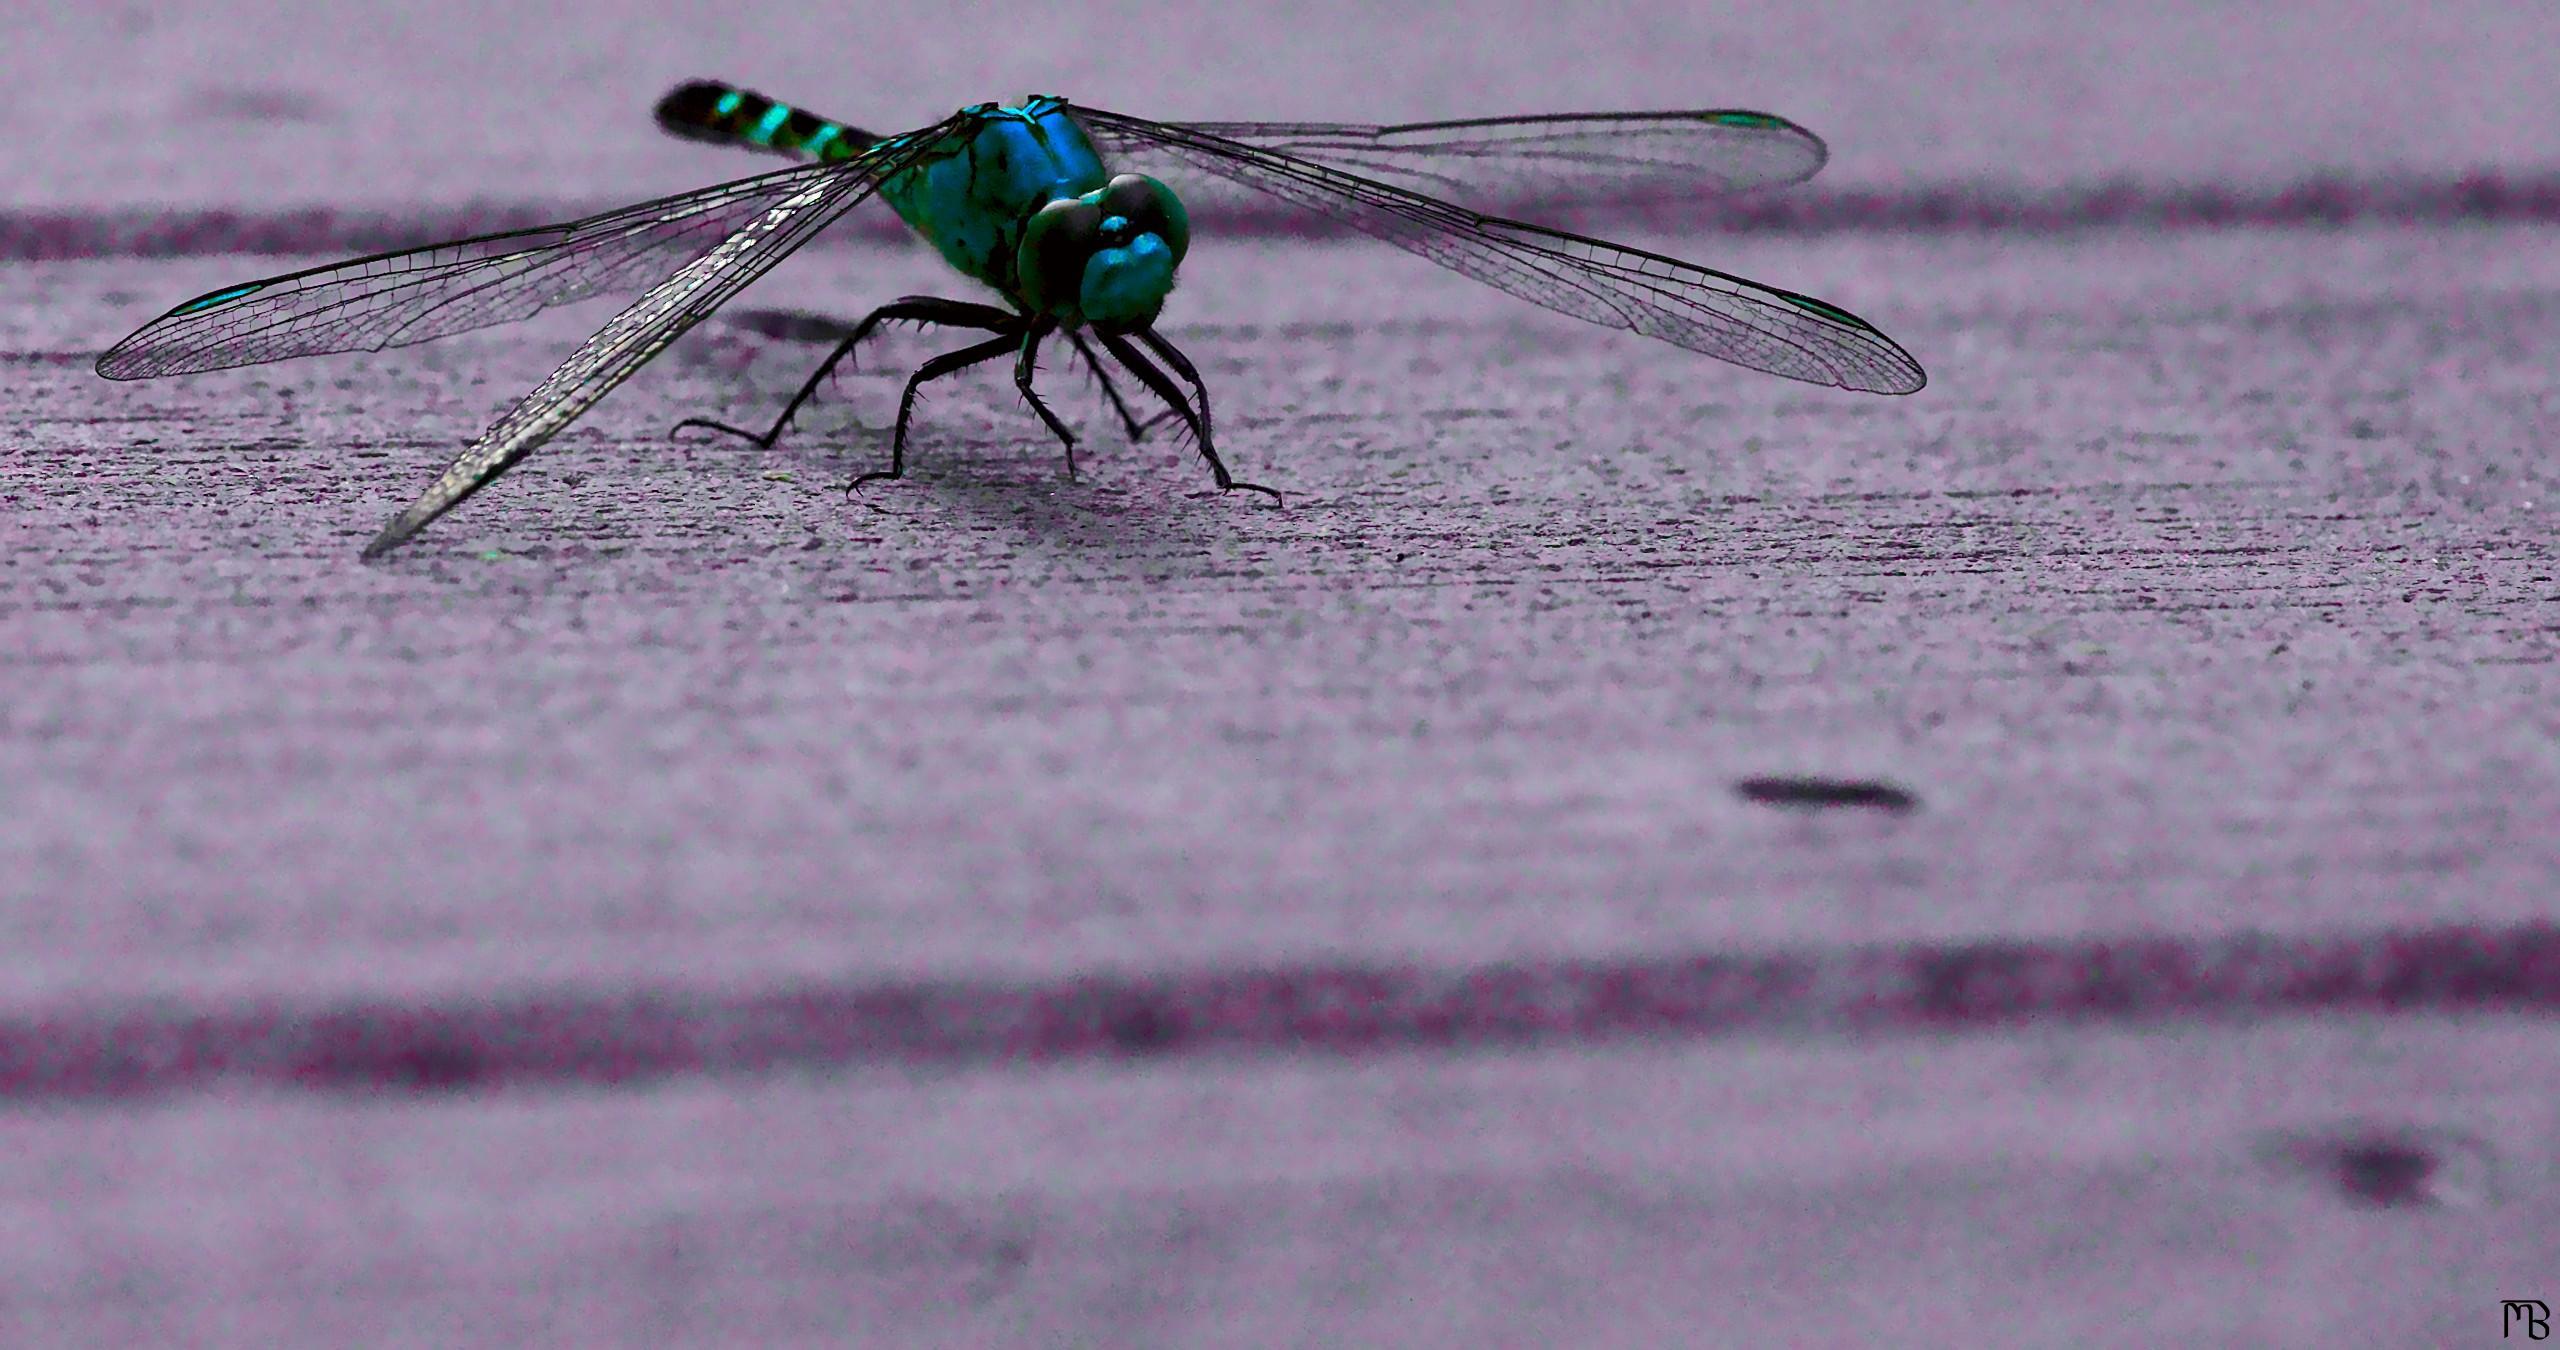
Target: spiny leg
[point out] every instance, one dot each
(922, 309)
(1027, 365)
(933, 370)
(1137, 429)
(1172, 356)
(1158, 381)
(1162, 383)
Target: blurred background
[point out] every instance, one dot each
(269, 105)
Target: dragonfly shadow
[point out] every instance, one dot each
(1087, 525)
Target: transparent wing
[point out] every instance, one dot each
(1568, 158)
(394, 299)
(809, 199)
(1703, 310)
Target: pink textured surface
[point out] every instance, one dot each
(308, 103)
(672, 905)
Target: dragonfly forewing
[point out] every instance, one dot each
(1518, 164)
(648, 326)
(417, 295)
(716, 240)
(1713, 313)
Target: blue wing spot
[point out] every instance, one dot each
(1831, 312)
(205, 302)
(1747, 119)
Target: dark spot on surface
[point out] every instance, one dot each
(2386, 1167)
(260, 105)
(1816, 793)
(2385, 1172)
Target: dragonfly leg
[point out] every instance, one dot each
(1137, 429)
(934, 369)
(922, 309)
(1198, 422)
(1027, 365)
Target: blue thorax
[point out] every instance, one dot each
(971, 197)
(974, 195)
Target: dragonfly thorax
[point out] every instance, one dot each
(1106, 257)
(984, 186)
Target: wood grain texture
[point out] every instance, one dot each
(2199, 612)
(2204, 594)
(669, 904)
(2179, 1183)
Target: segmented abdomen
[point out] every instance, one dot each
(706, 110)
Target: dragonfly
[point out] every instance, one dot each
(1066, 213)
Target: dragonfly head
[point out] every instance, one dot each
(1106, 257)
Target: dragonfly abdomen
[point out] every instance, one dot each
(706, 110)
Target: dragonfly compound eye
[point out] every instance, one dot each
(1056, 245)
(1107, 257)
(1150, 208)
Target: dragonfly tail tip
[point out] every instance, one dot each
(393, 535)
